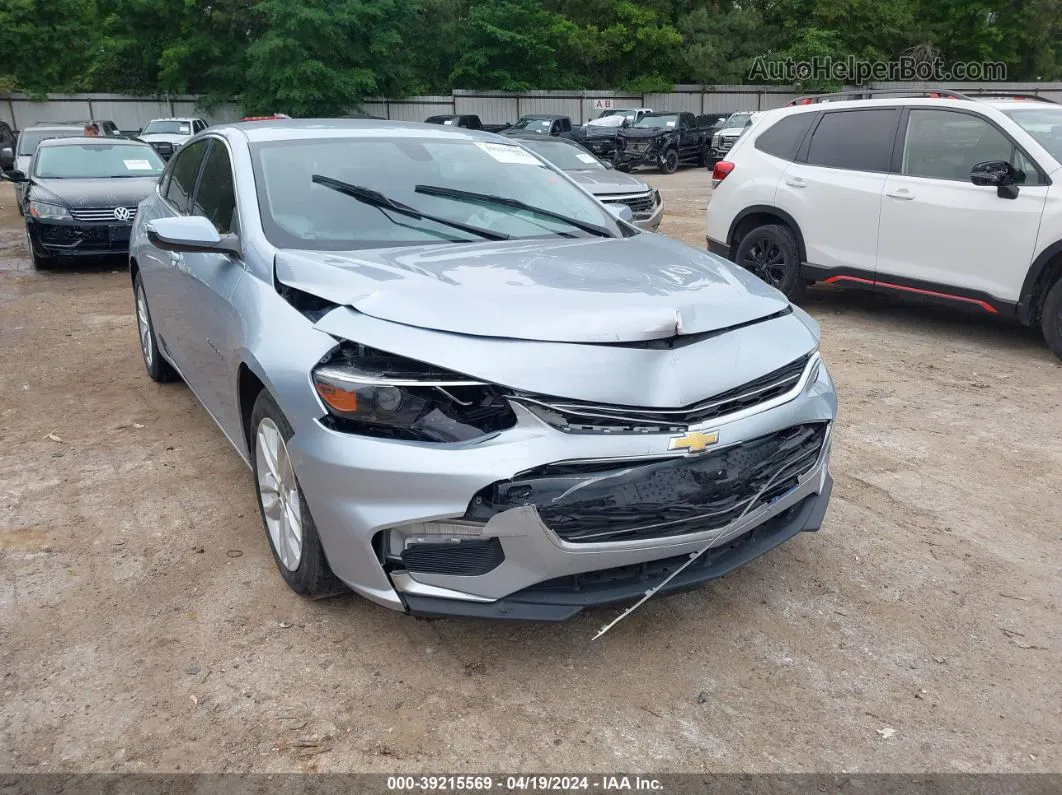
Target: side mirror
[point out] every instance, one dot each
(191, 234)
(621, 211)
(14, 175)
(607, 164)
(1000, 174)
(7, 158)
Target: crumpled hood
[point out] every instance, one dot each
(604, 182)
(597, 290)
(642, 133)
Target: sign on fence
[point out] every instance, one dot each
(604, 104)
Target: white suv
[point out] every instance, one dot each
(946, 196)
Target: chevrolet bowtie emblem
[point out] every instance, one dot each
(694, 441)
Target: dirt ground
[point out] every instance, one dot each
(143, 626)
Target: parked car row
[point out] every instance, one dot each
(463, 385)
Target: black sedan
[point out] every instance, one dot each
(81, 195)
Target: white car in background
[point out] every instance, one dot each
(166, 136)
(954, 198)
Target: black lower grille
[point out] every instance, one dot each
(81, 238)
(466, 558)
(624, 501)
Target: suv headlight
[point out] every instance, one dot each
(45, 210)
(716, 140)
(373, 393)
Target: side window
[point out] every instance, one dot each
(783, 138)
(198, 125)
(182, 177)
(858, 140)
(216, 198)
(942, 144)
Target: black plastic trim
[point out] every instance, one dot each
(1032, 279)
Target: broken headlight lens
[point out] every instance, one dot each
(374, 393)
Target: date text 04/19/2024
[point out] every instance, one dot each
(522, 783)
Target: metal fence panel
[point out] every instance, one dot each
(129, 115)
(594, 100)
(491, 109)
(674, 101)
(52, 110)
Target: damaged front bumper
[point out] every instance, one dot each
(63, 238)
(639, 154)
(536, 522)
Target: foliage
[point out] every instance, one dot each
(323, 57)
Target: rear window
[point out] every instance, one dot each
(27, 142)
(858, 140)
(783, 139)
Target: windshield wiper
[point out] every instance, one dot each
(376, 199)
(516, 204)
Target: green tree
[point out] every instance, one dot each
(46, 45)
(323, 57)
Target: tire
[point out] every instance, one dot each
(670, 163)
(157, 367)
(771, 253)
(706, 156)
(1051, 319)
(288, 523)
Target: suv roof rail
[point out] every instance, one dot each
(931, 93)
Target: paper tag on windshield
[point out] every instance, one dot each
(671, 124)
(585, 157)
(449, 122)
(138, 165)
(504, 153)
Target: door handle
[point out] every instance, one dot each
(902, 194)
(795, 182)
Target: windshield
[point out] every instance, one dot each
(1043, 124)
(565, 156)
(534, 125)
(298, 212)
(739, 120)
(27, 142)
(94, 161)
(168, 127)
(658, 122)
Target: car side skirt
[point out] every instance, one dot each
(929, 291)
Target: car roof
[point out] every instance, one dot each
(999, 103)
(304, 129)
(90, 140)
(544, 116)
(176, 118)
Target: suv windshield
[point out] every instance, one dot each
(95, 161)
(1043, 124)
(27, 142)
(565, 156)
(299, 212)
(658, 122)
(168, 127)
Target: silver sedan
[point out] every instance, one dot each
(464, 386)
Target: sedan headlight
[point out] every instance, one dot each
(56, 212)
(373, 393)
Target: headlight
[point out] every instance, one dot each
(44, 210)
(374, 393)
(716, 140)
(656, 198)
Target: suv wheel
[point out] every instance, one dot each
(1051, 319)
(670, 163)
(771, 253)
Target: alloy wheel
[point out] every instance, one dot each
(143, 322)
(281, 500)
(765, 259)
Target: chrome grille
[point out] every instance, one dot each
(102, 214)
(641, 204)
(574, 416)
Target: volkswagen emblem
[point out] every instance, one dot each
(122, 213)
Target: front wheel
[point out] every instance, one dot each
(291, 530)
(771, 253)
(1051, 319)
(670, 163)
(158, 368)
